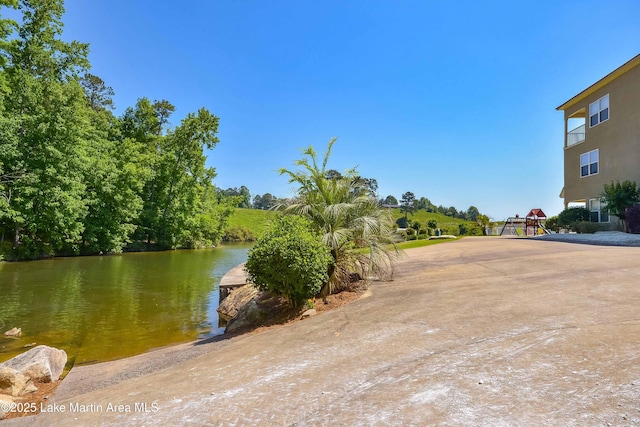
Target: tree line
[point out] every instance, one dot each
(75, 178)
(411, 203)
(408, 203)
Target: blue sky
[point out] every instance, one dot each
(454, 101)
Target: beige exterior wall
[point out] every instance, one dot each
(617, 139)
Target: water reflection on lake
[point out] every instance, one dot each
(108, 307)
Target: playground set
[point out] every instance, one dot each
(531, 225)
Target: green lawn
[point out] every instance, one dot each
(420, 243)
(254, 219)
(446, 224)
(424, 216)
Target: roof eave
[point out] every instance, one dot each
(624, 68)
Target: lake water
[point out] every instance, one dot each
(108, 307)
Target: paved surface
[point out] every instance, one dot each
(602, 238)
(236, 276)
(481, 331)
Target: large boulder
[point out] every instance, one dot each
(237, 299)
(247, 316)
(5, 401)
(42, 363)
(14, 383)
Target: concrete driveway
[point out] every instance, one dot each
(481, 331)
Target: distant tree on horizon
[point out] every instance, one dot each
(390, 200)
(407, 203)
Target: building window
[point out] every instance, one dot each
(599, 111)
(589, 163)
(599, 211)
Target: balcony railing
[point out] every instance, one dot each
(575, 136)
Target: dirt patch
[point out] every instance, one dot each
(337, 300)
(278, 313)
(32, 402)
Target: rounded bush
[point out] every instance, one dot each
(572, 215)
(402, 222)
(632, 214)
(289, 260)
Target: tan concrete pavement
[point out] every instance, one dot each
(481, 331)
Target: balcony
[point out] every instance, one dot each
(575, 136)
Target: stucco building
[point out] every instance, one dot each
(602, 138)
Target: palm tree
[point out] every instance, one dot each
(360, 235)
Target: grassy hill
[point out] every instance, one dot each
(255, 220)
(444, 222)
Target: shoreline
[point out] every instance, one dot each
(133, 251)
(87, 378)
(161, 357)
(506, 324)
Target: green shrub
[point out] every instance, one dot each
(572, 215)
(632, 214)
(619, 196)
(238, 233)
(552, 224)
(423, 236)
(411, 237)
(471, 229)
(586, 227)
(402, 222)
(289, 260)
(452, 230)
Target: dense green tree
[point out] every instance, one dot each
(182, 178)
(390, 200)
(619, 196)
(98, 94)
(569, 217)
(141, 124)
(352, 226)
(364, 184)
(264, 202)
(407, 203)
(73, 177)
(472, 213)
(484, 222)
(425, 204)
(257, 202)
(245, 201)
(370, 184)
(241, 196)
(163, 110)
(46, 120)
(552, 224)
(115, 174)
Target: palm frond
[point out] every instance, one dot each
(347, 216)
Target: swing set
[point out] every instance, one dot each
(531, 225)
